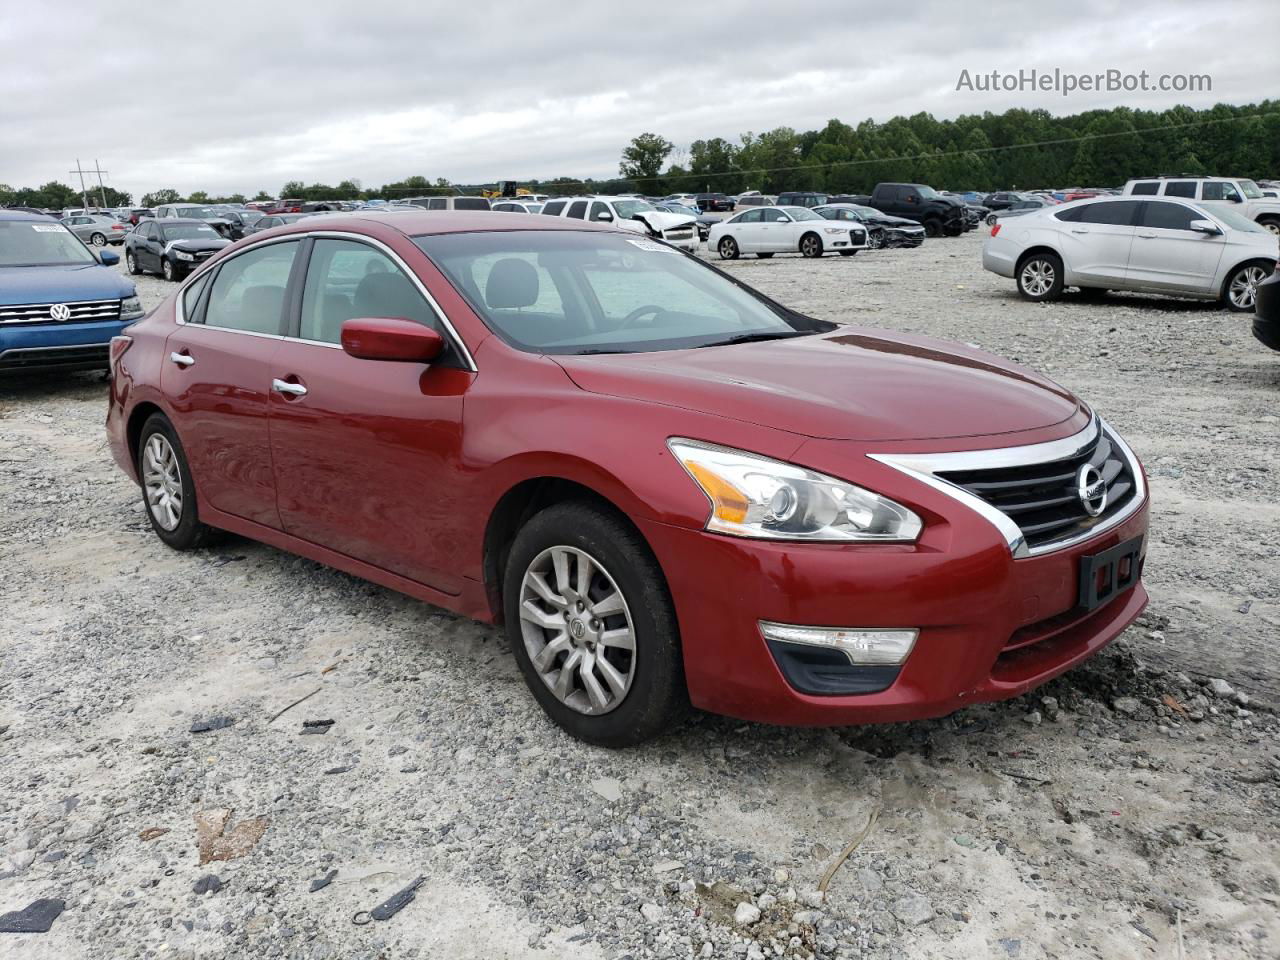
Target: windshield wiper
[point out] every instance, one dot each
(755, 337)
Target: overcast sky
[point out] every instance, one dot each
(228, 96)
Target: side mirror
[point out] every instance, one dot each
(109, 258)
(1207, 227)
(604, 215)
(390, 338)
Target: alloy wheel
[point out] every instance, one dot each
(1243, 288)
(810, 246)
(1037, 277)
(98, 240)
(577, 630)
(162, 480)
(1272, 225)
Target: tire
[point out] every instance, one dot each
(131, 262)
(1039, 277)
(1238, 288)
(764, 256)
(180, 528)
(170, 270)
(653, 696)
(728, 248)
(98, 239)
(1270, 223)
(847, 253)
(991, 219)
(933, 228)
(811, 246)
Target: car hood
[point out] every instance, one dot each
(660, 220)
(886, 220)
(849, 384)
(89, 281)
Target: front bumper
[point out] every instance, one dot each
(57, 346)
(990, 627)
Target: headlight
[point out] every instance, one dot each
(834, 230)
(183, 255)
(131, 308)
(753, 496)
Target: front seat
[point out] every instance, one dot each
(512, 284)
(389, 295)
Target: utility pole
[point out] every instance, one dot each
(84, 195)
(102, 191)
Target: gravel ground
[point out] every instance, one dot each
(1127, 810)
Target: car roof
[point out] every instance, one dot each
(441, 221)
(22, 215)
(169, 221)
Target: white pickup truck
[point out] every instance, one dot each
(1239, 194)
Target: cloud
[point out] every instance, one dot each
(233, 95)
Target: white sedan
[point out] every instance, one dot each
(765, 231)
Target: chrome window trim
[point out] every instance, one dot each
(395, 258)
(925, 467)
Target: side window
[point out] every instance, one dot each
(1220, 190)
(248, 292)
(505, 207)
(598, 208)
(774, 216)
(191, 297)
(907, 194)
(1117, 214)
(751, 216)
(347, 279)
(437, 203)
(1147, 188)
(1167, 216)
(1182, 188)
(553, 208)
(577, 209)
(151, 231)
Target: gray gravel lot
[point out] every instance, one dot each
(1128, 810)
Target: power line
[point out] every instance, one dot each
(959, 153)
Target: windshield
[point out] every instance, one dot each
(200, 213)
(1251, 189)
(572, 292)
(802, 213)
(1237, 221)
(629, 208)
(189, 231)
(48, 244)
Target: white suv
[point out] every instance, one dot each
(1147, 244)
(1233, 193)
(637, 216)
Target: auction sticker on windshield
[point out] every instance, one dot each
(651, 246)
(47, 228)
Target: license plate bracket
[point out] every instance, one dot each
(1106, 575)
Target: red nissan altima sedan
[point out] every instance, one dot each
(670, 489)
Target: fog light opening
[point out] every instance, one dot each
(863, 647)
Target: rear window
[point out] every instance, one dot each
(471, 203)
(554, 207)
(1148, 188)
(1116, 214)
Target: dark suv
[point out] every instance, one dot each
(803, 198)
(171, 247)
(714, 202)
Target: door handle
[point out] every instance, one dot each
(182, 359)
(1079, 231)
(293, 389)
(1147, 236)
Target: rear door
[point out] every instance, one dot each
(216, 374)
(1168, 254)
(1096, 246)
(365, 452)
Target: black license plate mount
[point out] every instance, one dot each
(1105, 575)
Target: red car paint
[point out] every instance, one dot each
(395, 471)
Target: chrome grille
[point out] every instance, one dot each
(81, 311)
(678, 233)
(1044, 499)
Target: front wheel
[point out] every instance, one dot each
(728, 248)
(169, 270)
(592, 626)
(810, 246)
(1270, 223)
(131, 262)
(1040, 277)
(1239, 290)
(98, 239)
(933, 228)
(168, 490)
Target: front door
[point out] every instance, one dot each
(365, 451)
(1167, 253)
(217, 376)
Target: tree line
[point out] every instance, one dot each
(1017, 149)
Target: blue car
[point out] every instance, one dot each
(60, 305)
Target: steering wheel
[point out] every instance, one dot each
(639, 312)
